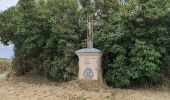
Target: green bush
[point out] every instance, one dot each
(44, 35)
(140, 66)
(135, 41)
(134, 38)
(61, 71)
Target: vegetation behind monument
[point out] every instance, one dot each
(134, 38)
(135, 41)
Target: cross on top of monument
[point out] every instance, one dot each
(90, 25)
(90, 29)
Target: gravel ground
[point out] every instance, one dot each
(26, 88)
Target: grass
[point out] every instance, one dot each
(34, 88)
(5, 59)
(5, 65)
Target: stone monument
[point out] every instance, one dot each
(90, 58)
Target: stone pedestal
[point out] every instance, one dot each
(90, 64)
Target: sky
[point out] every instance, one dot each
(6, 51)
(5, 4)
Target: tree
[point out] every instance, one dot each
(134, 38)
(135, 41)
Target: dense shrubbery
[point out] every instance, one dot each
(134, 38)
(44, 35)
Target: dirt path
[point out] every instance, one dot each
(22, 88)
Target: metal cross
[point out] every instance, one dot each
(90, 25)
(90, 29)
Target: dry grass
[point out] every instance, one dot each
(38, 88)
(5, 65)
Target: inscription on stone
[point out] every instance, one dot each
(87, 61)
(88, 73)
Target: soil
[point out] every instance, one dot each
(29, 88)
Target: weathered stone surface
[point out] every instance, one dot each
(90, 64)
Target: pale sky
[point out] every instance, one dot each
(5, 4)
(6, 51)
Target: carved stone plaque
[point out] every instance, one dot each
(88, 73)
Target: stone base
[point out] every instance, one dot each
(90, 64)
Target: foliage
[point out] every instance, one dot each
(44, 37)
(135, 41)
(134, 38)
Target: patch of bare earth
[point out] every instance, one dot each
(26, 88)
